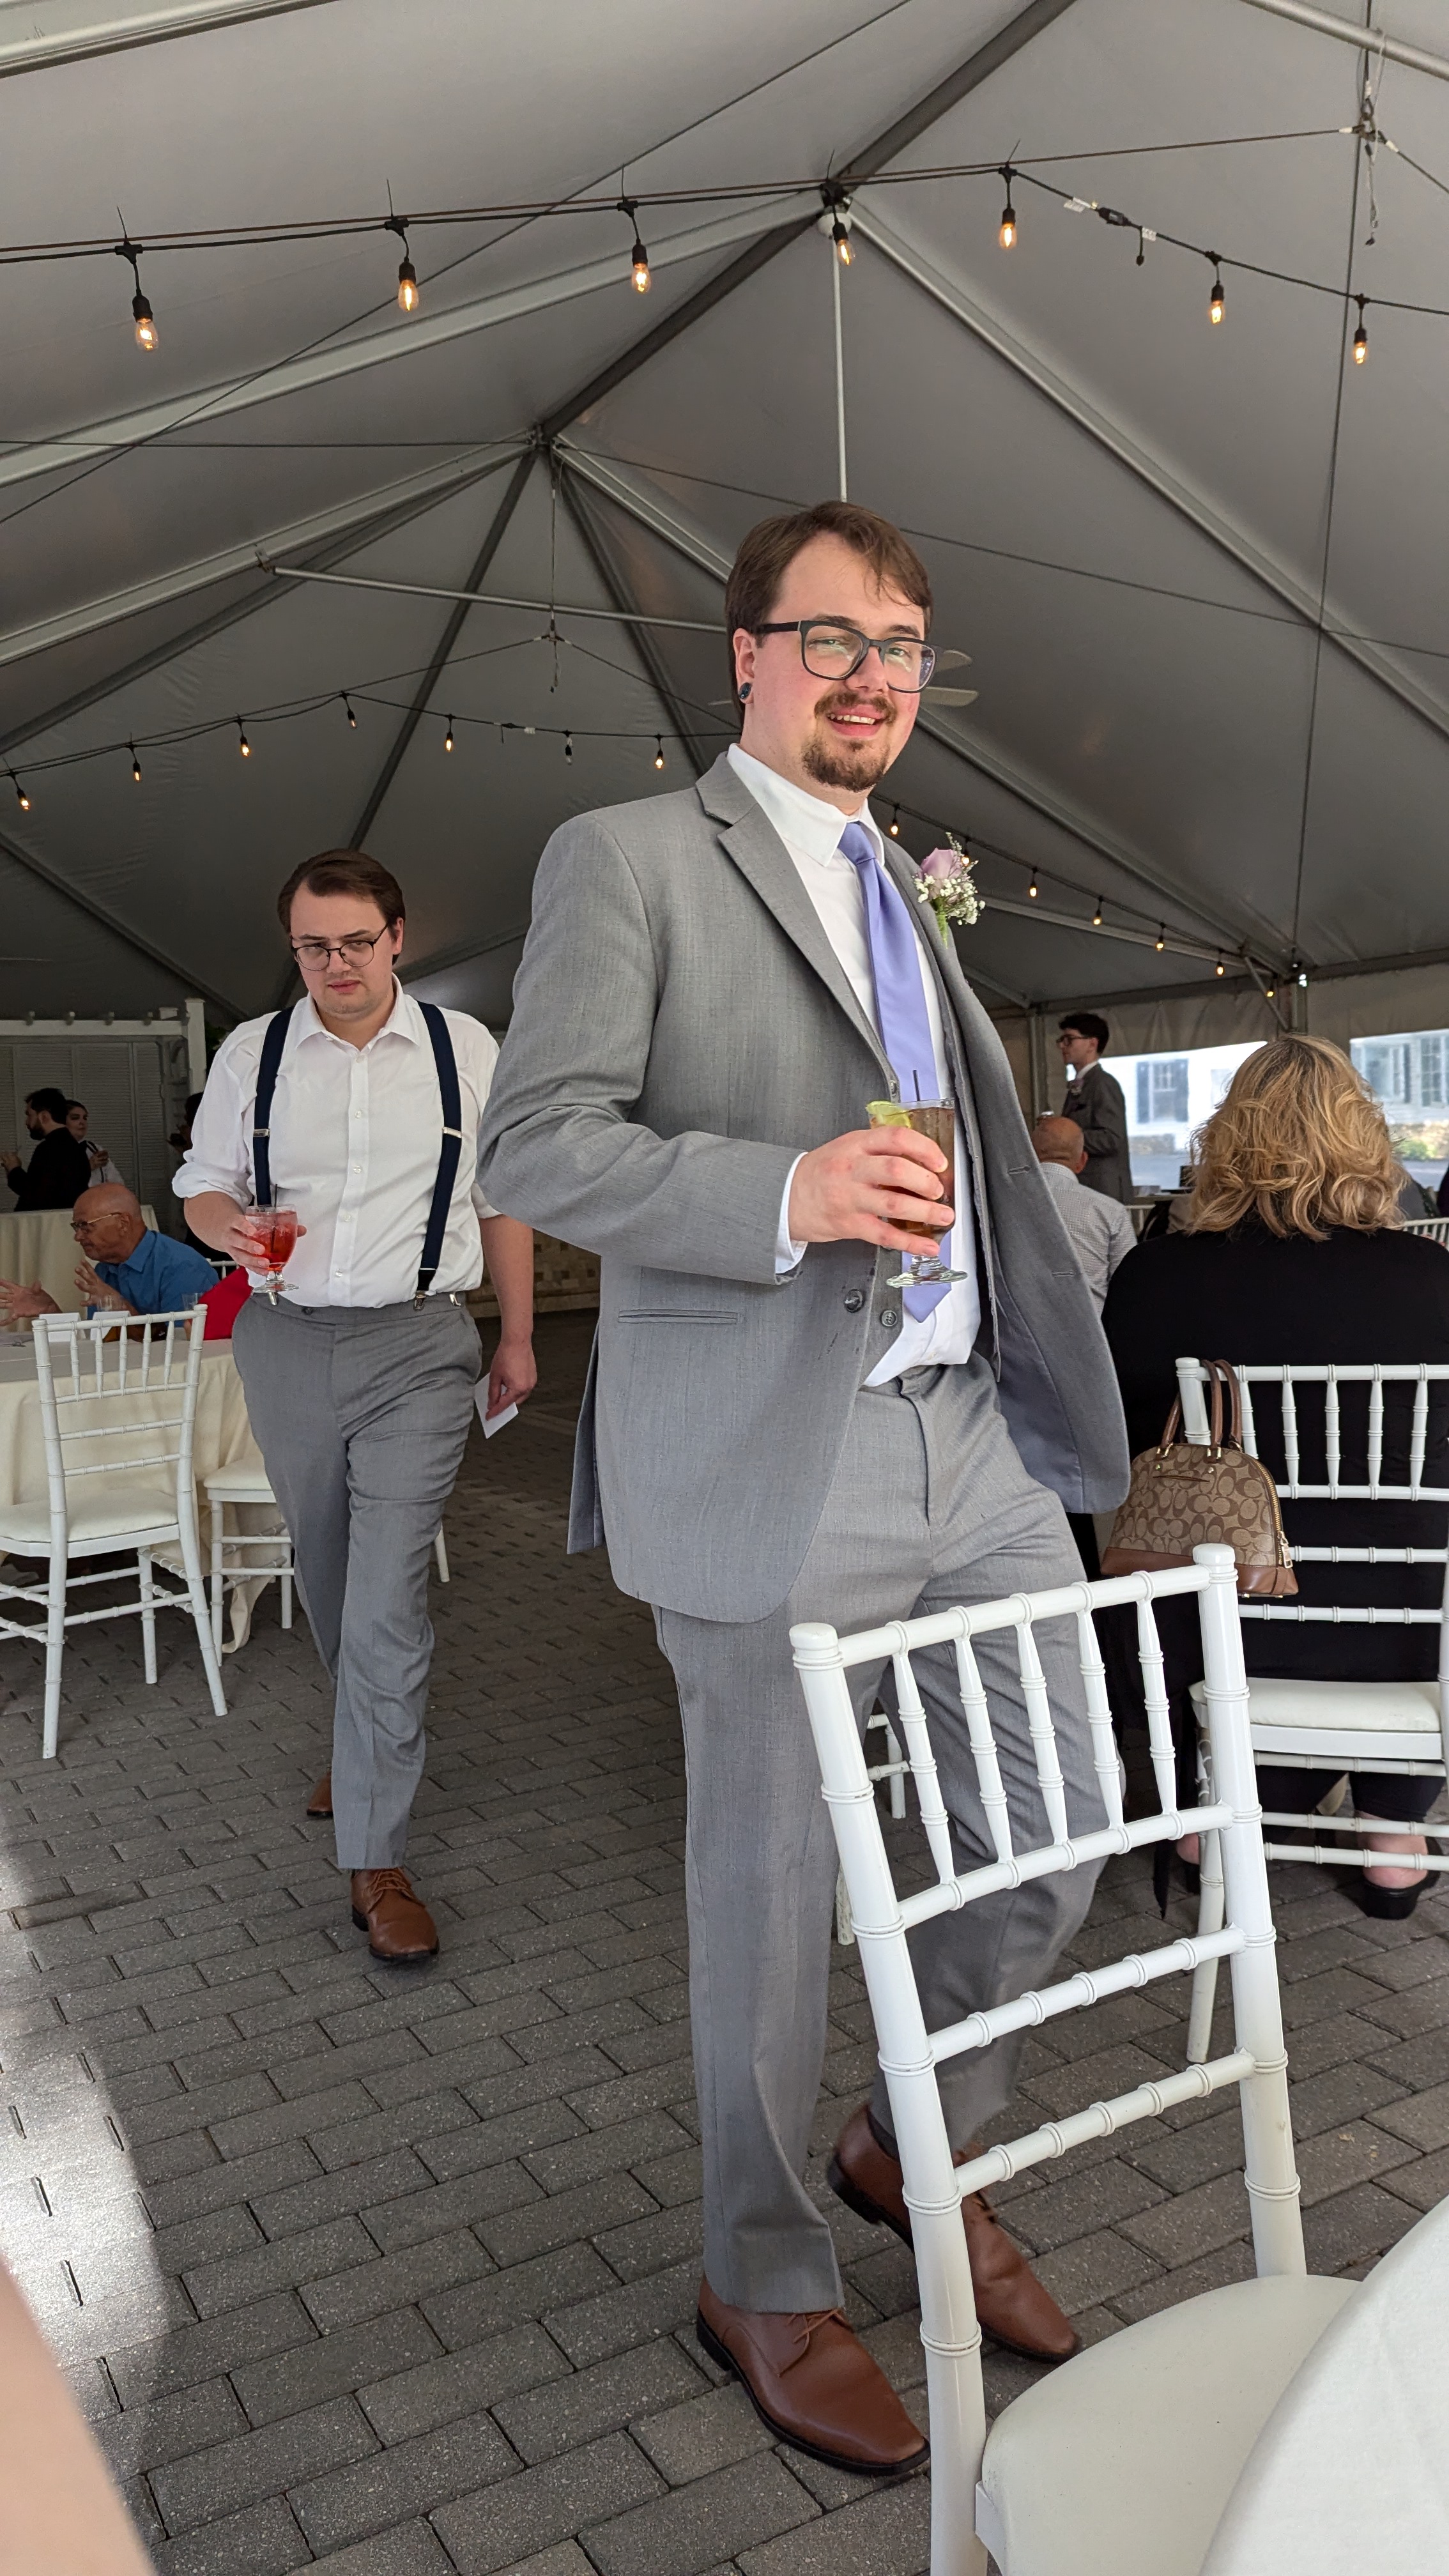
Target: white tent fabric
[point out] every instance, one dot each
(1124, 510)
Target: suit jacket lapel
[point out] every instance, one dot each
(760, 855)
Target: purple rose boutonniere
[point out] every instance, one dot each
(946, 880)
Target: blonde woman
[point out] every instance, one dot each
(1293, 1249)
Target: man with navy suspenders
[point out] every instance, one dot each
(360, 1108)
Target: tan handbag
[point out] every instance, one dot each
(1183, 1496)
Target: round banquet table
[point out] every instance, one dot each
(37, 1243)
(223, 1439)
(1351, 2470)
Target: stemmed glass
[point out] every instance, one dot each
(279, 1226)
(936, 1119)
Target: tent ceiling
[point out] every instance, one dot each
(1124, 511)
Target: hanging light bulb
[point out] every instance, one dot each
(21, 799)
(659, 751)
(243, 746)
(568, 746)
(840, 235)
(147, 334)
(1220, 968)
(1360, 337)
(1268, 992)
(1217, 301)
(347, 710)
(408, 294)
(895, 822)
(1007, 234)
(448, 736)
(1097, 915)
(1033, 889)
(135, 764)
(639, 276)
(1160, 942)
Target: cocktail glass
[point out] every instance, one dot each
(936, 1119)
(278, 1225)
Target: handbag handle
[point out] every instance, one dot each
(1220, 1375)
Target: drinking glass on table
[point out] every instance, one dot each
(278, 1228)
(936, 1119)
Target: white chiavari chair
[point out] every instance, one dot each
(1398, 1728)
(1435, 1229)
(118, 1413)
(1119, 2463)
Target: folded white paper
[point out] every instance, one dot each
(480, 1399)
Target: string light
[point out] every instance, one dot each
(1360, 337)
(347, 710)
(135, 764)
(147, 334)
(1220, 968)
(448, 736)
(21, 799)
(639, 276)
(1033, 889)
(895, 823)
(1097, 915)
(840, 231)
(1268, 992)
(568, 746)
(1160, 942)
(1217, 301)
(408, 294)
(659, 751)
(1007, 234)
(243, 746)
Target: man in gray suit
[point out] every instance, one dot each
(1095, 1100)
(714, 986)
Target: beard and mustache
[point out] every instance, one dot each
(849, 764)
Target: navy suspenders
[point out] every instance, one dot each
(449, 1152)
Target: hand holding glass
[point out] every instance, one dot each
(276, 1230)
(936, 1119)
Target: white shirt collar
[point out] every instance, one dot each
(404, 1020)
(1059, 1178)
(806, 822)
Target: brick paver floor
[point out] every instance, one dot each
(394, 2270)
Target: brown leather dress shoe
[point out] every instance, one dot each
(397, 1923)
(812, 2382)
(320, 1802)
(1010, 2301)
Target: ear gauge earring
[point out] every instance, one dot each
(744, 689)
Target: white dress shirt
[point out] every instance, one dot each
(354, 1144)
(811, 830)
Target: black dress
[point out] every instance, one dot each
(1251, 1295)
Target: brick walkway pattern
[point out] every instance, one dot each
(393, 2271)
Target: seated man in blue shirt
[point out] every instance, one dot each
(124, 1268)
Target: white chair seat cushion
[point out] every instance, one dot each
(1377, 1708)
(245, 1481)
(111, 1507)
(1120, 2464)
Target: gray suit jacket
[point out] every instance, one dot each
(683, 1029)
(1095, 1101)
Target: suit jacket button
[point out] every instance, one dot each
(890, 1316)
(853, 1300)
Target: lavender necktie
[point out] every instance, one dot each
(900, 1004)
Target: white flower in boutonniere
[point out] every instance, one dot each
(947, 882)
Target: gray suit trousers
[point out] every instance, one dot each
(930, 1506)
(361, 1414)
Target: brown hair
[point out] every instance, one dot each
(344, 872)
(1299, 1143)
(767, 552)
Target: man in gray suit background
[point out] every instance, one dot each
(1095, 1100)
(714, 986)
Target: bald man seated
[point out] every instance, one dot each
(124, 1269)
(1099, 1229)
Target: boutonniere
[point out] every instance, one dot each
(946, 880)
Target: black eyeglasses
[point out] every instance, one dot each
(355, 949)
(832, 651)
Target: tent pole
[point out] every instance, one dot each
(839, 376)
(675, 710)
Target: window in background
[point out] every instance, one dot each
(1408, 1074)
(1168, 1096)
